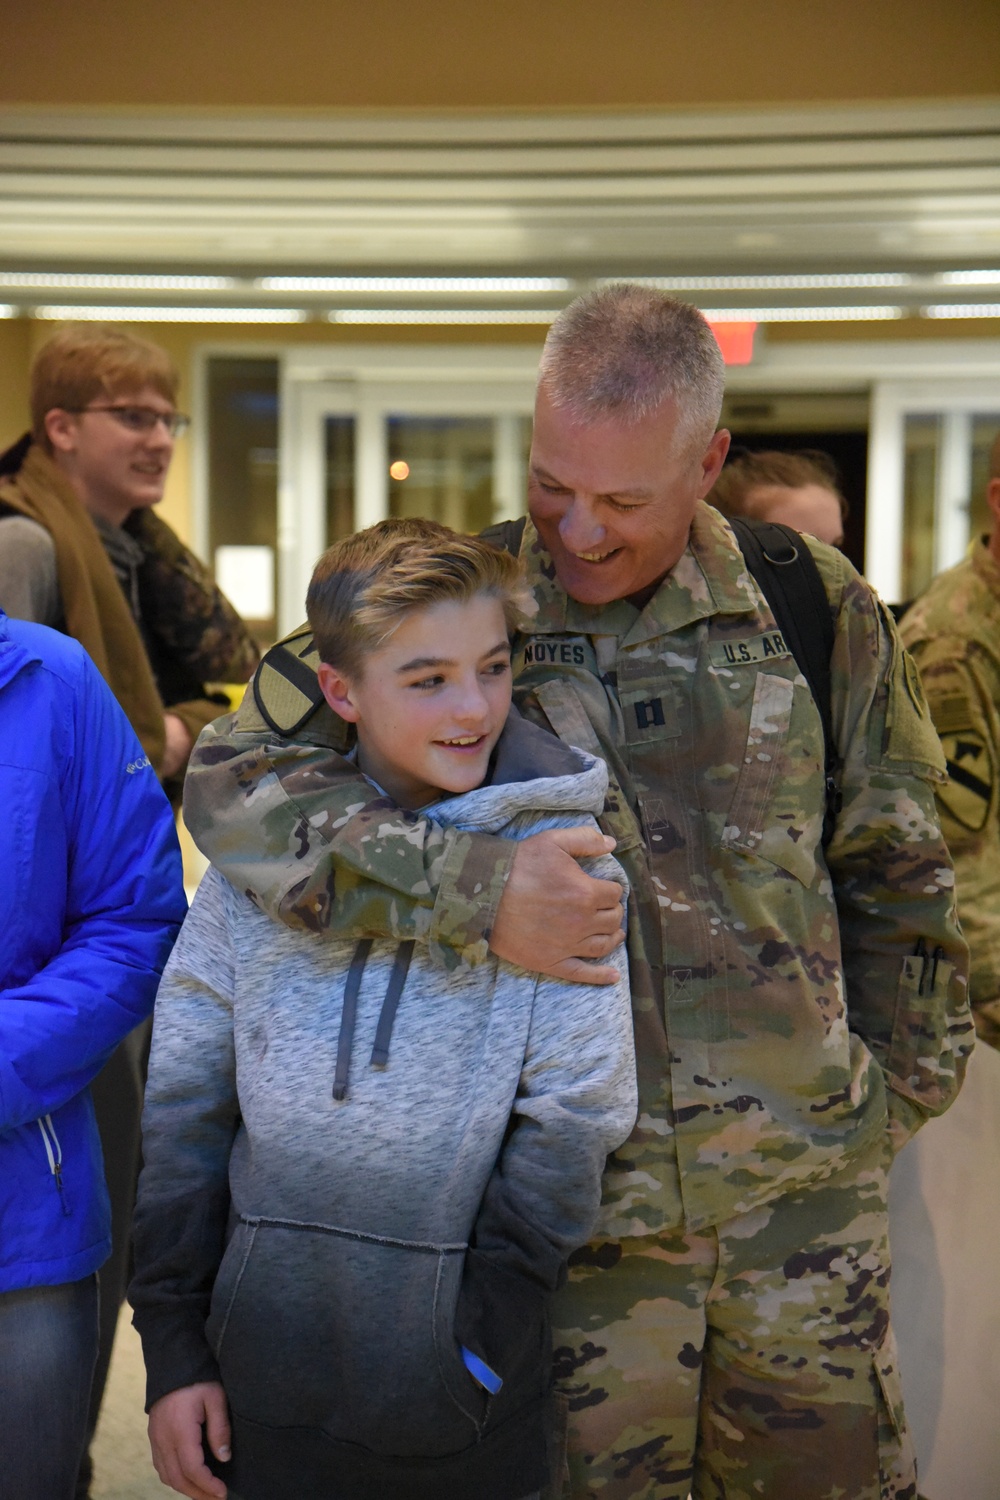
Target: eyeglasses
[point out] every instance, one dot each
(140, 418)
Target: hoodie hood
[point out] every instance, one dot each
(531, 771)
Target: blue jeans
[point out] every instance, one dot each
(48, 1347)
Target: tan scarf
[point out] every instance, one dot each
(94, 606)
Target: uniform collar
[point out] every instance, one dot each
(984, 563)
(710, 578)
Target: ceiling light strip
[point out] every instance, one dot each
(961, 310)
(968, 278)
(775, 283)
(72, 314)
(443, 315)
(801, 314)
(81, 281)
(411, 284)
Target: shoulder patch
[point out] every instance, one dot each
(285, 687)
(969, 789)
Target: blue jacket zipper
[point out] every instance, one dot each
(53, 1150)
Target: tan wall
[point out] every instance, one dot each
(442, 54)
(15, 357)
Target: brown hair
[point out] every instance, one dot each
(363, 587)
(622, 350)
(733, 490)
(86, 360)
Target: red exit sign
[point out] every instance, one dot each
(735, 340)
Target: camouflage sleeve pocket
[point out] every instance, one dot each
(897, 1462)
(901, 734)
(914, 1060)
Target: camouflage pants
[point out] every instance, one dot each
(752, 1361)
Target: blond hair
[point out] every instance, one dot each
(622, 350)
(85, 360)
(364, 586)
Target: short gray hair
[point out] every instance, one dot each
(621, 350)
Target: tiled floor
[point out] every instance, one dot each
(122, 1466)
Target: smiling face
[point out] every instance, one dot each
(113, 469)
(613, 501)
(429, 705)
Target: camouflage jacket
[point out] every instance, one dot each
(790, 1003)
(953, 631)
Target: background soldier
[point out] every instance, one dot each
(953, 631)
(799, 1006)
(800, 489)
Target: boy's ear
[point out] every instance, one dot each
(337, 691)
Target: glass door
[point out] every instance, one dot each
(928, 459)
(352, 456)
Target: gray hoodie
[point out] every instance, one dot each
(356, 1163)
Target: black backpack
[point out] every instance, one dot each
(789, 579)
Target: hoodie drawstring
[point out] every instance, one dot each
(350, 1015)
(387, 1017)
(383, 1033)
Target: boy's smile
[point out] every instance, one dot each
(430, 704)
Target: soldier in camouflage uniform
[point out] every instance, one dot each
(799, 1007)
(953, 631)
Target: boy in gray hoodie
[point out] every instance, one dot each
(363, 1175)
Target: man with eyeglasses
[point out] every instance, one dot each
(81, 549)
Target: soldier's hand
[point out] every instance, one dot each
(553, 916)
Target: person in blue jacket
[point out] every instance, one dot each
(91, 898)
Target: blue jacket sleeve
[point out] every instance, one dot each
(124, 904)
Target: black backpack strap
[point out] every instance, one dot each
(505, 536)
(786, 574)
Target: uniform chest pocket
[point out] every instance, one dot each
(777, 809)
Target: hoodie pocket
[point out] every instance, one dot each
(346, 1333)
(504, 1319)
